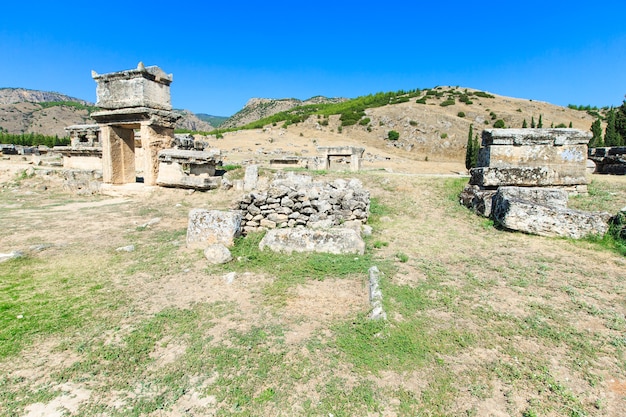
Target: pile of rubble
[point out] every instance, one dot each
(298, 201)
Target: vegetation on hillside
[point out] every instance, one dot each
(212, 120)
(74, 104)
(352, 111)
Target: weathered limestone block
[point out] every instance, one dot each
(335, 241)
(553, 197)
(140, 87)
(528, 137)
(534, 218)
(570, 158)
(524, 176)
(207, 227)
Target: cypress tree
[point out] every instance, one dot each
(475, 149)
(539, 123)
(596, 130)
(620, 122)
(469, 151)
(611, 136)
(570, 125)
(524, 124)
(532, 122)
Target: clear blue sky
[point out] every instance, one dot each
(224, 53)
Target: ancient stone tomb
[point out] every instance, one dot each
(132, 101)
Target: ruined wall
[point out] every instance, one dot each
(304, 204)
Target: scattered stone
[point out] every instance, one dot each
(151, 222)
(129, 248)
(11, 255)
(230, 277)
(40, 247)
(335, 241)
(376, 295)
(217, 253)
(207, 227)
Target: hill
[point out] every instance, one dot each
(19, 95)
(215, 121)
(259, 108)
(49, 113)
(433, 124)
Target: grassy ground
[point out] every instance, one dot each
(480, 321)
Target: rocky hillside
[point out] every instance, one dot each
(259, 108)
(48, 113)
(432, 125)
(19, 95)
(191, 121)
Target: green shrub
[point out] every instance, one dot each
(447, 102)
(421, 100)
(499, 124)
(461, 114)
(443, 135)
(413, 123)
(483, 94)
(393, 135)
(365, 121)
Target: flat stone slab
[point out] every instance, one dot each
(336, 241)
(524, 176)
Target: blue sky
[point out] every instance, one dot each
(224, 53)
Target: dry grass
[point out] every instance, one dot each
(481, 321)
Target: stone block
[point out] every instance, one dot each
(207, 227)
(140, 87)
(559, 158)
(538, 219)
(522, 137)
(335, 241)
(524, 176)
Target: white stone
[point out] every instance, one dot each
(207, 227)
(217, 254)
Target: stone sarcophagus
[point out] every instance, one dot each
(140, 87)
(532, 157)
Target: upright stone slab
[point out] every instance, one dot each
(207, 227)
(251, 178)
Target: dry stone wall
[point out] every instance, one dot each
(297, 201)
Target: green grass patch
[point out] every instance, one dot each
(38, 299)
(292, 269)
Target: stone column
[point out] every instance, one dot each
(153, 140)
(118, 155)
(355, 162)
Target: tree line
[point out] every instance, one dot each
(33, 139)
